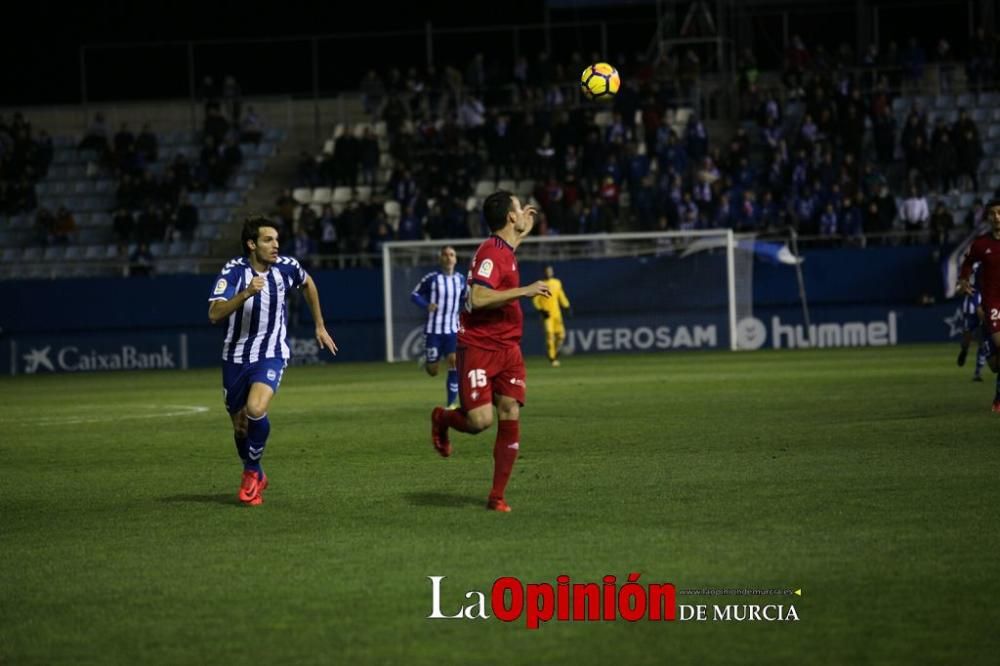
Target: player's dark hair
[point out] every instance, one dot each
(495, 209)
(992, 203)
(251, 230)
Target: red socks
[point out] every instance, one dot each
(455, 419)
(504, 454)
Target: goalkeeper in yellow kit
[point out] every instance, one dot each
(551, 312)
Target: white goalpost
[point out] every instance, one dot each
(657, 280)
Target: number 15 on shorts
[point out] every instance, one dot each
(477, 378)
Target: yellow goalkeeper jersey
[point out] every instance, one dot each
(555, 304)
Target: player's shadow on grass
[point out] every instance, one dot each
(219, 498)
(448, 500)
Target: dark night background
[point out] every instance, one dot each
(42, 43)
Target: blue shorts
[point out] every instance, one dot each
(437, 345)
(238, 377)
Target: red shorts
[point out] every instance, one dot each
(992, 311)
(483, 372)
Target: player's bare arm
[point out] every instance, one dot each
(311, 294)
(219, 310)
(484, 298)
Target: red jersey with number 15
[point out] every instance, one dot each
(493, 267)
(986, 249)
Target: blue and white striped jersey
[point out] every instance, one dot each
(970, 303)
(258, 329)
(448, 291)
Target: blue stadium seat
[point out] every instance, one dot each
(196, 198)
(944, 101)
(94, 235)
(988, 99)
(21, 222)
(232, 198)
(266, 149)
(213, 198)
(64, 141)
(207, 232)
(198, 248)
(253, 165)
(10, 254)
(157, 249)
(274, 134)
(31, 254)
(177, 249)
(94, 252)
(242, 182)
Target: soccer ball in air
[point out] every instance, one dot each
(600, 81)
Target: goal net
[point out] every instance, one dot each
(645, 291)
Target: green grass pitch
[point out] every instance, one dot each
(870, 479)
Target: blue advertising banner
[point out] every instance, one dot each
(194, 348)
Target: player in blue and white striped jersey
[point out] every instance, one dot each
(972, 312)
(441, 293)
(249, 295)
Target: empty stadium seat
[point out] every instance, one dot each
(94, 252)
(392, 209)
(302, 195)
(524, 187)
(328, 147)
(342, 195)
(232, 198)
(988, 99)
(508, 185)
(322, 195)
(363, 193)
(603, 118)
(93, 235)
(207, 232)
(32, 254)
(485, 188)
(10, 255)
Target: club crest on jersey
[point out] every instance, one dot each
(485, 268)
(220, 287)
(271, 375)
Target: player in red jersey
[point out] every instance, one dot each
(986, 249)
(490, 366)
